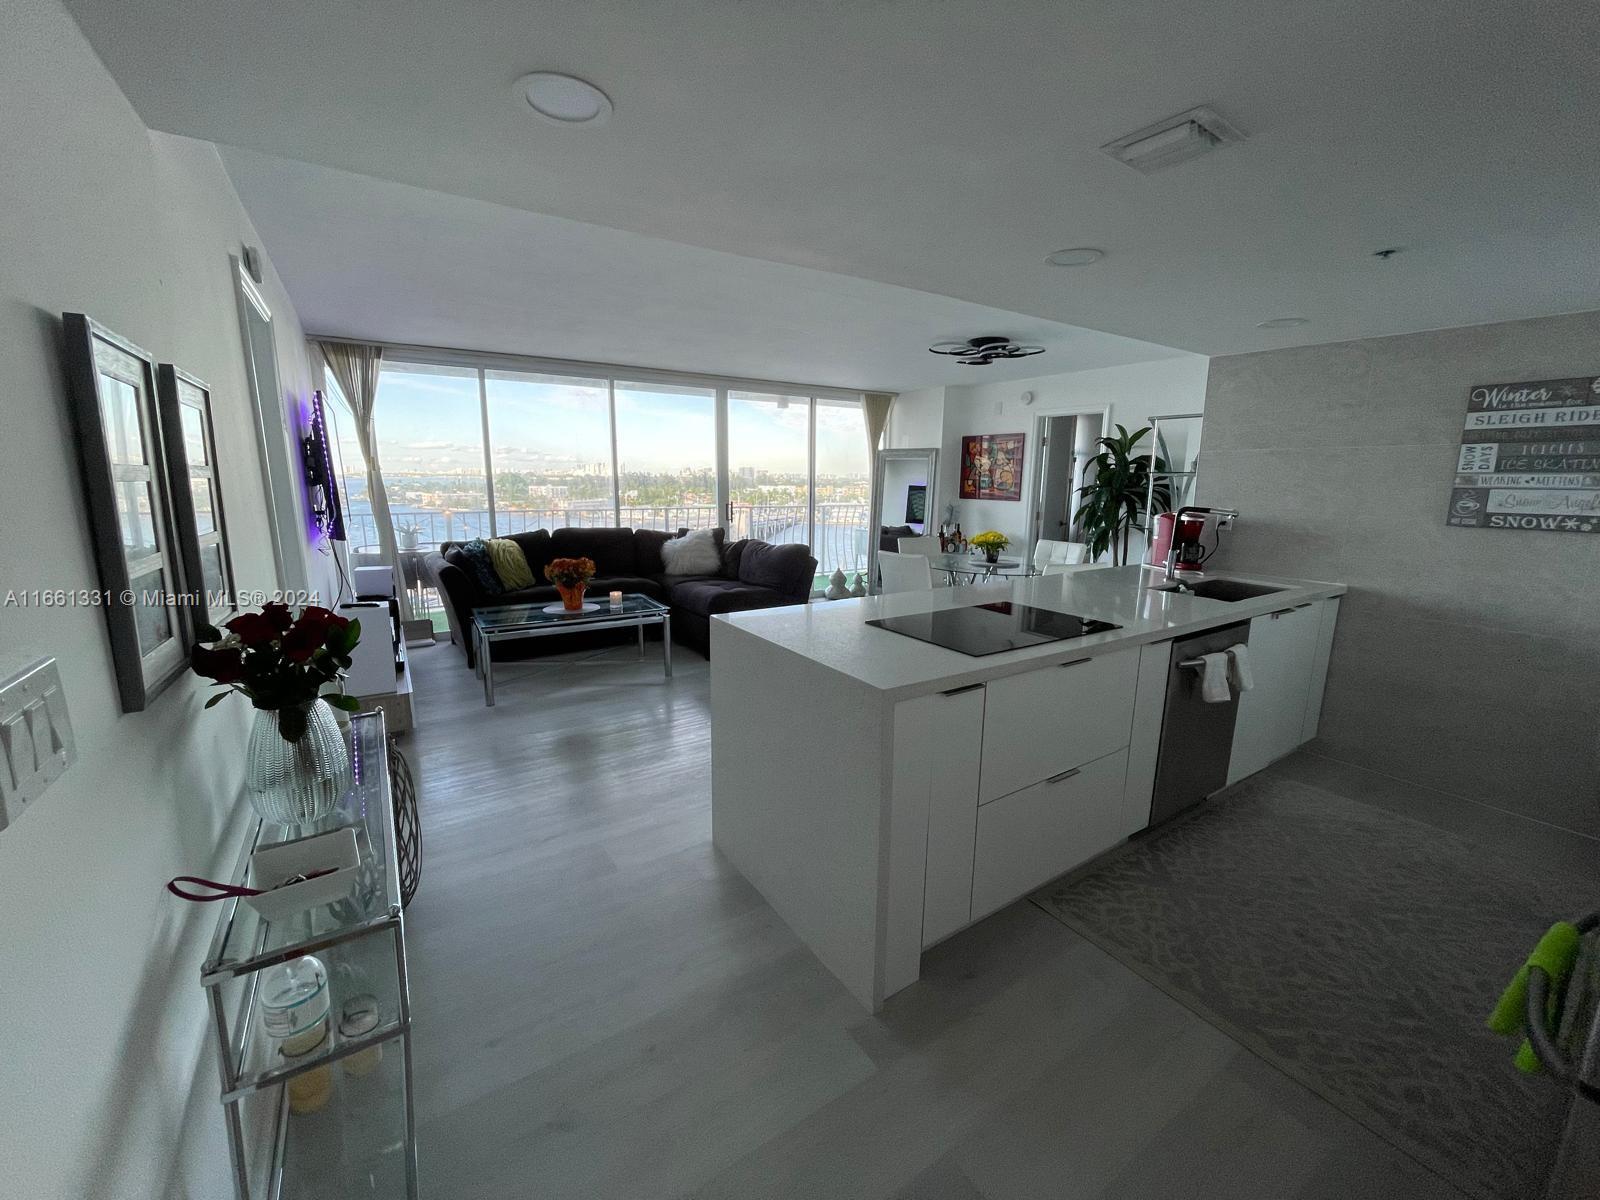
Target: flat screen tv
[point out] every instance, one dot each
(322, 484)
(917, 504)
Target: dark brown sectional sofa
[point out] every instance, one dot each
(754, 574)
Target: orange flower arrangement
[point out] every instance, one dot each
(570, 572)
(571, 576)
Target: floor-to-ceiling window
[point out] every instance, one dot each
(769, 466)
(843, 483)
(429, 426)
(666, 455)
(478, 451)
(550, 447)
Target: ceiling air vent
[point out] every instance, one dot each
(1170, 142)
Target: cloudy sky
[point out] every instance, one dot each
(431, 422)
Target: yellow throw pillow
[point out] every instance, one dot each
(510, 563)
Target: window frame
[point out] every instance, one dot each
(618, 375)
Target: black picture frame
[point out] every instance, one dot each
(112, 396)
(186, 426)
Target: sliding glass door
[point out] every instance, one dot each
(666, 456)
(842, 486)
(550, 448)
(769, 467)
(430, 449)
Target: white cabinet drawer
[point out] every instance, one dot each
(1032, 836)
(952, 813)
(1043, 722)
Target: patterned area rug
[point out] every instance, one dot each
(1356, 950)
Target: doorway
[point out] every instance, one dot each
(1066, 444)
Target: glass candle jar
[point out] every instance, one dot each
(358, 1016)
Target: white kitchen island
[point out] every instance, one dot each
(883, 792)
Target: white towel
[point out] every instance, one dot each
(1214, 678)
(1239, 668)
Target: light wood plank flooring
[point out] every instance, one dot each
(604, 1008)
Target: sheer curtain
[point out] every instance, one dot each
(875, 412)
(355, 366)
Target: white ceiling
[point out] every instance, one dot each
(948, 147)
(366, 258)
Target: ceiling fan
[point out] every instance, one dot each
(981, 351)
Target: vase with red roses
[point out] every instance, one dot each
(298, 764)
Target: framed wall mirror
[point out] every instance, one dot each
(112, 388)
(275, 431)
(904, 503)
(197, 514)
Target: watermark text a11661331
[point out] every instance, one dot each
(150, 597)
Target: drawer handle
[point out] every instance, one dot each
(1074, 663)
(1284, 612)
(962, 691)
(1063, 775)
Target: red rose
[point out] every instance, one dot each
(301, 642)
(253, 628)
(279, 615)
(224, 666)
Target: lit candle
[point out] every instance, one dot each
(616, 599)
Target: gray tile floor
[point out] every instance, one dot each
(606, 1009)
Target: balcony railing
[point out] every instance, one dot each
(839, 538)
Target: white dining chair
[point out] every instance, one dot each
(925, 546)
(904, 572)
(1047, 550)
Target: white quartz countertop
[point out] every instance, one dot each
(835, 634)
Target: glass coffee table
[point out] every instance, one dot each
(510, 622)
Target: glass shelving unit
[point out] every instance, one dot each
(1175, 440)
(362, 1142)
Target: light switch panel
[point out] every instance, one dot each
(36, 743)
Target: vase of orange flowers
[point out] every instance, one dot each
(571, 577)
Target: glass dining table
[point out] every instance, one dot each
(967, 568)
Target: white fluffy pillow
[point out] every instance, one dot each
(692, 554)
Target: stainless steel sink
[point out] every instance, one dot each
(1229, 590)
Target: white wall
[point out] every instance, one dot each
(1466, 659)
(1131, 393)
(916, 420)
(105, 1086)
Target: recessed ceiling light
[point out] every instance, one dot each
(564, 99)
(1282, 323)
(1078, 256)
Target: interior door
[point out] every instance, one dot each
(1053, 518)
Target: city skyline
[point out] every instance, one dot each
(539, 423)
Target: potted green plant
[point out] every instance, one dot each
(1112, 504)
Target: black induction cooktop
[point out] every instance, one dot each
(992, 628)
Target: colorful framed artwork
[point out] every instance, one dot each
(991, 466)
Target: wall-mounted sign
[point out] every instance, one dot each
(991, 466)
(1530, 457)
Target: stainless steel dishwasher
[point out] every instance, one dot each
(1196, 736)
